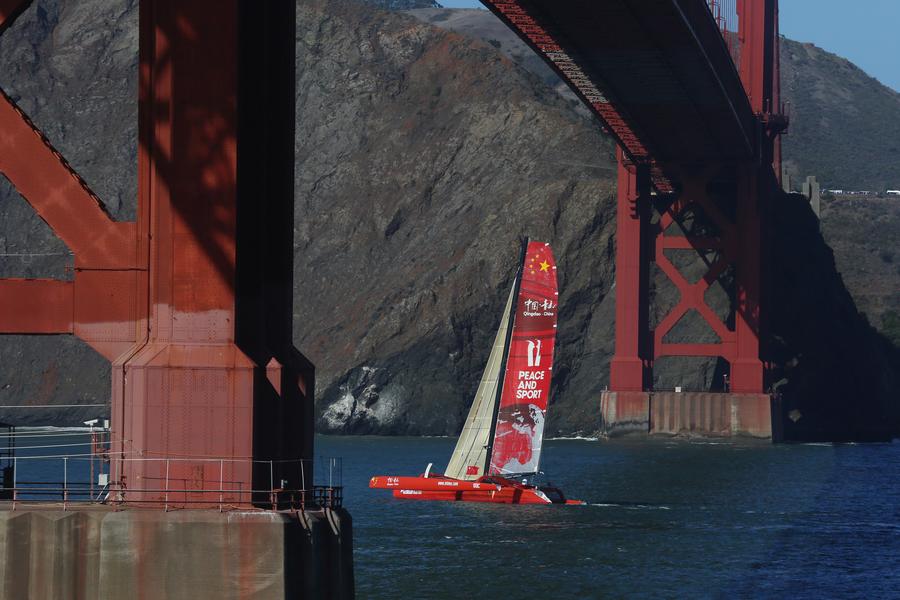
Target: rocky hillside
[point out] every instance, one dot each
(455, 154)
(845, 125)
(865, 235)
(422, 156)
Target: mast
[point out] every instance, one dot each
(509, 330)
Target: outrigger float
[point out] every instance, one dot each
(499, 448)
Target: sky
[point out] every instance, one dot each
(867, 32)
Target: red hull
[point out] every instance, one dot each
(492, 489)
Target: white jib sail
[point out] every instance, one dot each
(470, 454)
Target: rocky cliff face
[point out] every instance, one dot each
(865, 235)
(839, 378)
(422, 156)
(454, 155)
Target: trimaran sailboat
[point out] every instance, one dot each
(499, 448)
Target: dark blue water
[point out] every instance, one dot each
(664, 519)
(50, 459)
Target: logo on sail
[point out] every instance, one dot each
(535, 308)
(534, 353)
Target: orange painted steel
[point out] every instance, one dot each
(193, 310)
(629, 368)
(99, 304)
(36, 306)
(59, 196)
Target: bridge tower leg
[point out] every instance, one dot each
(630, 404)
(193, 303)
(214, 373)
(746, 366)
(630, 366)
(626, 407)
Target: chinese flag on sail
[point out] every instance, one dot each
(472, 470)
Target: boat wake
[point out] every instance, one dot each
(631, 505)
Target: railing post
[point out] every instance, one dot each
(272, 482)
(302, 483)
(15, 478)
(221, 483)
(167, 486)
(65, 483)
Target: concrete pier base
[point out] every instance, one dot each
(687, 413)
(625, 412)
(96, 552)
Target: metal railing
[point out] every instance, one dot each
(176, 482)
(726, 16)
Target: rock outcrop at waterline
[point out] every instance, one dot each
(422, 157)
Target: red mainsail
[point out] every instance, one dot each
(519, 430)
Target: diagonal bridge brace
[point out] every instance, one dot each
(693, 294)
(100, 304)
(59, 196)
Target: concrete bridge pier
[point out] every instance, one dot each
(98, 552)
(702, 414)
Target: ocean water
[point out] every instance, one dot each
(664, 519)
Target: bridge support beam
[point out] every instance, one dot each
(726, 232)
(746, 366)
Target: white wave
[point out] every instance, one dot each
(632, 506)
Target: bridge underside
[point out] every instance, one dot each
(657, 72)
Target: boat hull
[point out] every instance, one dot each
(494, 490)
(502, 496)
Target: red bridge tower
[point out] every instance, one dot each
(735, 240)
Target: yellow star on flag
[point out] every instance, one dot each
(545, 266)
